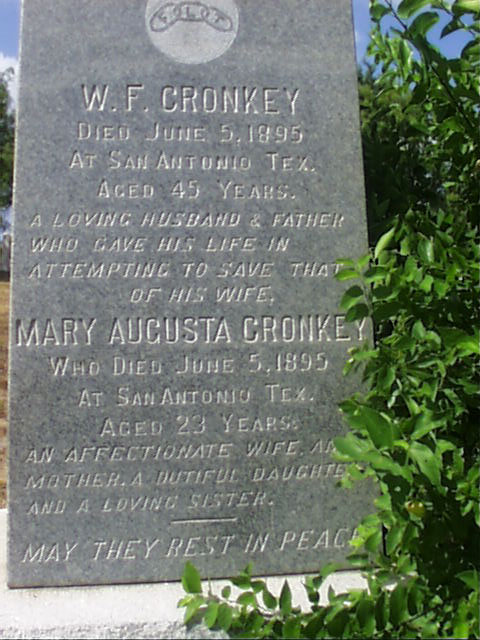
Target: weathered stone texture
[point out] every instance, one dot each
(187, 175)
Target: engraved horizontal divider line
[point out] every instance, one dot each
(204, 521)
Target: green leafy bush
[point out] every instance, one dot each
(420, 113)
(415, 432)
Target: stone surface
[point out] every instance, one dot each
(186, 179)
(126, 611)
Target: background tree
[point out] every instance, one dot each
(420, 112)
(6, 142)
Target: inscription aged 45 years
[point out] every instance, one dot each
(185, 182)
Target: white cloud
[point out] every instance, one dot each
(7, 62)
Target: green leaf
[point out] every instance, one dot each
(378, 11)
(405, 56)
(338, 623)
(385, 463)
(352, 446)
(398, 605)
(469, 345)
(384, 502)
(375, 274)
(415, 599)
(363, 261)
(426, 461)
(184, 601)
(191, 580)
(461, 340)
(358, 560)
(346, 274)
(379, 428)
(466, 6)
(226, 592)
(254, 623)
(385, 311)
(351, 297)
(423, 23)
(357, 312)
(373, 542)
(347, 262)
(408, 7)
(461, 629)
(432, 336)
(381, 611)
(470, 578)
(384, 241)
(210, 615)
(424, 424)
(242, 581)
(393, 538)
(366, 616)
(388, 377)
(269, 600)
(291, 628)
(426, 283)
(247, 599)
(315, 624)
(257, 586)
(454, 123)
(418, 330)
(471, 51)
(224, 617)
(192, 608)
(286, 599)
(328, 569)
(425, 250)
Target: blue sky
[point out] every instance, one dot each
(9, 27)
(10, 19)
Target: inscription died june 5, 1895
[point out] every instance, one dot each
(186, 178)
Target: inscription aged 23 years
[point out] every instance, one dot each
(176, 341)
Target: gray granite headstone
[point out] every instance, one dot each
(187, 175)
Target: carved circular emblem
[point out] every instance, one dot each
(192, 32)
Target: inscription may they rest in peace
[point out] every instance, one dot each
(176, 342)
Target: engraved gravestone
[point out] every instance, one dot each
(187, 175)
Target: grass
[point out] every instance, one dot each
(4, 306)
